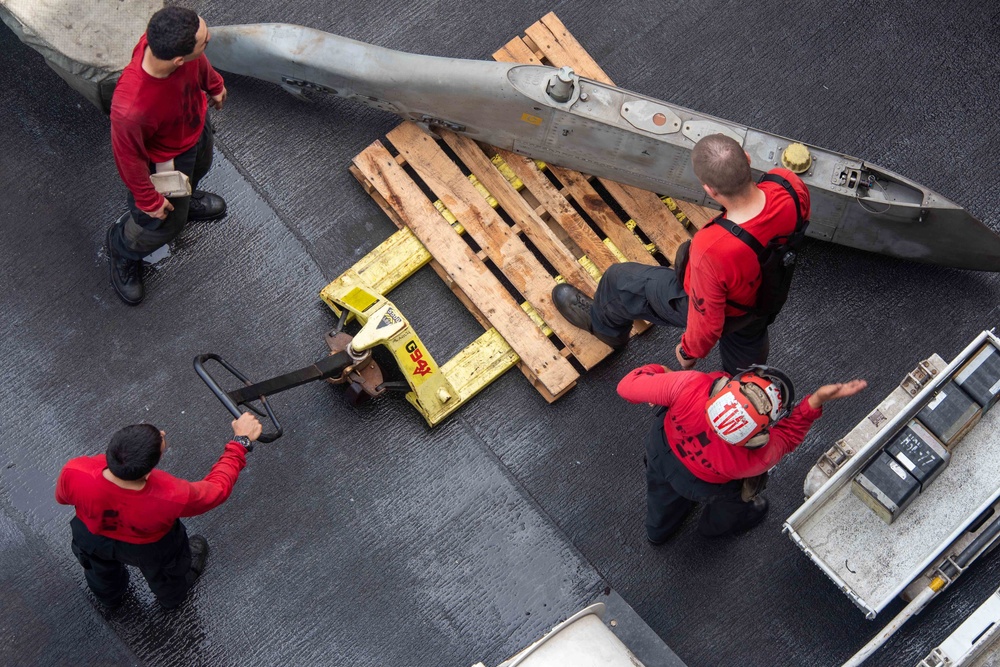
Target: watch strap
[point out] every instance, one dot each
(245, 441)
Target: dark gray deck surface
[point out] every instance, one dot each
(364, 538)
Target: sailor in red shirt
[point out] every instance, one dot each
(712, 433)
(722, 273)
(128, 513)
(158, 123)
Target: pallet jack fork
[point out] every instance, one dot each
(434, 390)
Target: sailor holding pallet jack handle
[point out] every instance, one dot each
(128, 513)
(713, 440)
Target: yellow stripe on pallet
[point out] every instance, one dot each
(481, 189)
(536, 318)
(590, 267)
(630, 223)
(619, 255)
(507, 172)
(676, 210)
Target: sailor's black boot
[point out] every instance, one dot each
(206, 206)
(574, 305)
(755, 515)
(199, 554)
(126, 274)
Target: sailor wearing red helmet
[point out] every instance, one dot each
(713, 432)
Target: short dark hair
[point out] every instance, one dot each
(171, 32)
(134, 451)
(719, 163)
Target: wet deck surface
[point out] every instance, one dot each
(364, 538)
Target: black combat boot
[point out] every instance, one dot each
(199, 554)
(126, 274)
(755, 514)
(206, 206)
(574, 305)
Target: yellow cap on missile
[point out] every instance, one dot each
(796, 158)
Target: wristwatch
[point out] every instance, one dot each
(684, 355)
(245, 441)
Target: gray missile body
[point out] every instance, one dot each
(556, 116)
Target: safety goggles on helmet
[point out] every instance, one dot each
(741, 409)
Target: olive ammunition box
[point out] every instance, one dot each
(920, 453)
(980, 377)
(886, 487)
(950, 414)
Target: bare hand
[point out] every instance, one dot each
(161, 213)
(247, 425)
(686, 364)
(831, 392)
(216, 101)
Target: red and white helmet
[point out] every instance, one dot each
(742, 408)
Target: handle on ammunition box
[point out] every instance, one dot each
(227, 400)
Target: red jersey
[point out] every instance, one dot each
(146, 515)
(155, 120)
(691, 437)
(723, 268)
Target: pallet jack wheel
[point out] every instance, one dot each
(356, 394)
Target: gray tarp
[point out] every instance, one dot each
(87, 42)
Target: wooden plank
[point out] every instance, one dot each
(558, 56)
(516, 51)
(493, 235)
(520, 212)
(373, 193)
(573, 48)
(475, 279)
(561, 211)
(591, 201)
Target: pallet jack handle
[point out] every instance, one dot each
(227, 400)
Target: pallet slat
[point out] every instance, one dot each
(606, 219)
(571, 46)
(468, 272)
(516, 51)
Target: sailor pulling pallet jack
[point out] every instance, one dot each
(715, 435)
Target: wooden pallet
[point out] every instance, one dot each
(523, 226)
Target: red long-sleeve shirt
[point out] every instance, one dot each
(690, 436)
(721, 267)
(146, 515)
(155, 120)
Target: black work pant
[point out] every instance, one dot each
(142, 234)
(633, 291)
(166, 564)
(672, 491)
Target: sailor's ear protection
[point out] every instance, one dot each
(785, 388)
(718, 386)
